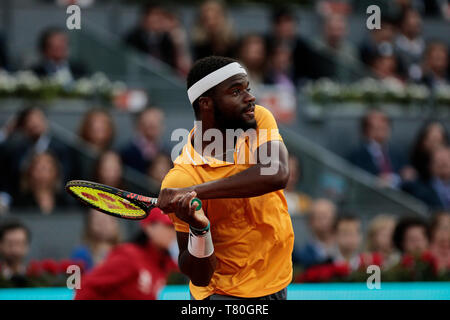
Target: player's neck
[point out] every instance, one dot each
(200, 134)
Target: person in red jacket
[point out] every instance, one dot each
(137, 270)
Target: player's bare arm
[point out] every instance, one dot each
(245, 184)
(199, 270)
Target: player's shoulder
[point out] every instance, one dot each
(261, 111)
(264, 118)
(180, 176)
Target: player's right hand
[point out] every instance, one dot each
(178, 201)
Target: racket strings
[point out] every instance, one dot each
(108, 201)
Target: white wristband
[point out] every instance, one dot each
(200, 246)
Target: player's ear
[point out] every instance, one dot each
(205, 103)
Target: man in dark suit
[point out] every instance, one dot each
(32, 135)
(374, 155)
(321, 246)
(150, 36)
(146, 144)
(435, 192)
(436, 65)
(54, 49)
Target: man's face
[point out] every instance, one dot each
(379, 128)
(322, 217)
(412, 25)
(348, 236)
(440, 164)
(415, 240)
(35, 124)
(335, 29)
(233, 104)
(438, 59)
(151, 125)
(57, 47)
(154, 20)
(14, 246)
(285, 28)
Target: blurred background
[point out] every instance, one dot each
(364, 113)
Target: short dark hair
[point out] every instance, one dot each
(280, 12)
(23, 115)
(202, 68)
(46, 34)
(365, 120)
(10, 225)
(345, 217)
(403, 225)
(148, 7)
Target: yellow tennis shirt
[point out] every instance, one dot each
(253, 237)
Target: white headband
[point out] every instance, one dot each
(213, 79)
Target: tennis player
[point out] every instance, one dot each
(241, 246)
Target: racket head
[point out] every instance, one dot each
(109, 200)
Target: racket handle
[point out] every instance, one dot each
(199, 203)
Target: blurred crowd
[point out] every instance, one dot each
(336, 239)
(398, 51)
(35, 163)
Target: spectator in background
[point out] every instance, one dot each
(280, 69)
(252, 54)
(411, 236)
(146, 143)
(151, 37)
(30, 135)
(431, 136)
(287, 50)
(100, 235)
(435, 65)
(380, 42)
(335, 57)
(283, 31)
(379, 239)
(347, 230)
(41, 185)
(213, 33)
(97, 130)
(375, 155)
(160, 166)
(410, 45)
(135, 270)
(108, 169)
(55, 62)
(440, 239)
(320, 247)
(298, 203)
(385, 68)
(15, 241)
(180, 40)
(435, 191)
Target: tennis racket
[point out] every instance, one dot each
(113, 201)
